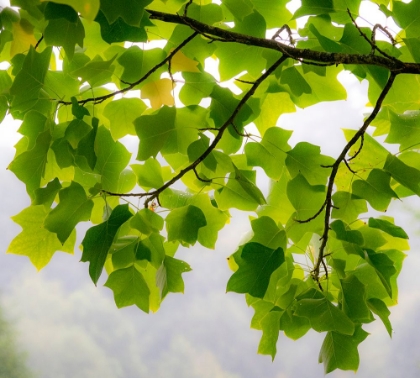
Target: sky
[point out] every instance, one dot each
(71, 328)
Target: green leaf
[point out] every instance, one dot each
(29, 166)
(380, 309)
(270, 326)
(206, 13)
(354, 300)
(137, 63)
(215, 219)
(129, 288)
(270, 153)
(235, 58)
(112, 158)
(121, 114)
(324, 316)
(306, 159)
(375, 189)
(147, 221)
(340, 351)
(77, 110)
(275, 13)
(29, 81)
(388, 227)
(35, 241)
(98, 240)
(383, 266)
(347, 206)
(119, 31)
(294, 326)
(149, 174)
(74, 207)
(256, 264)
(296, 81)
(239, 9)
(184, 223)
(66, 31)
(405, 129)
(267, 233)
(85, 154)
(305, 198)
(239, 192)
(404, 174)
(131, 11)
(96, 72)
(152, 250)
(45, 196)
(406, 17)
(273, 105)
(198, 85)
(87, 8)
(153, 131)
(343, 232)
(169, 276)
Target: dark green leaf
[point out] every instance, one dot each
(324, 316)
(380, 309)
(388, 227)
(184, 223)
(98, 240)
(256, 264)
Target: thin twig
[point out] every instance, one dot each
(100, 99)
(39, 41)
(341, 158)
(372, 41)
(186, 7)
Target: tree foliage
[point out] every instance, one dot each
(87, 77)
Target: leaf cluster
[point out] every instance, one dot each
(89, 77)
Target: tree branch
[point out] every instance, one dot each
(391, 63)
(155, 193)
(100, 99)
(342, 157)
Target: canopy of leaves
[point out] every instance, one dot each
(89, 77)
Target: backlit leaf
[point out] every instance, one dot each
(159, 93)
(256, 264)
(35, 241)
(74, 207)
(129, 288)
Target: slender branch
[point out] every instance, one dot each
(372, 42)
(100, 99)
(224, 35)
(342, 157)
(155, 193)
(313, 216)
(39, 41)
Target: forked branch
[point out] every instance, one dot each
(342, 158)
(154, 194)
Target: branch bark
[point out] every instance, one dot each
(224, 35)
